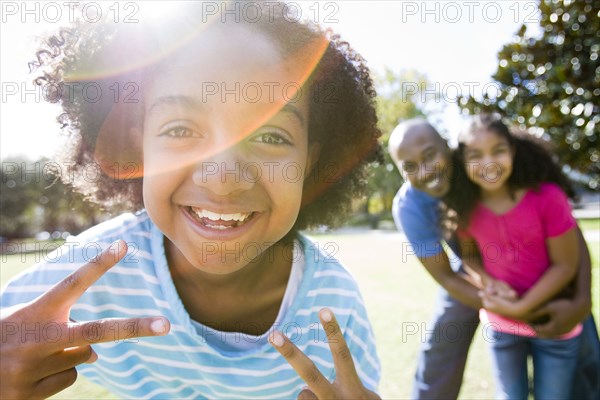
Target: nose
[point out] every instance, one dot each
(487, 161)
(428, 169)
(225, 173)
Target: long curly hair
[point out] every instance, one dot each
(342, 115)
(533, 164)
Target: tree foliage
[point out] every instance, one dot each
(33, 199)
(396, 101)
(549, 83)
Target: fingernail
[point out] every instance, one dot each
(93, 358)
(114, 247)
(277, 339)
(326, 315)
(158, 326)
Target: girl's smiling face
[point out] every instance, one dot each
(225, 149)
(488, 159)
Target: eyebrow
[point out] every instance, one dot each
(468, 150)
(290, 108)
(194, 104)
(185, 101)
(428, 149)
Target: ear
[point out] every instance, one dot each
(314, 151)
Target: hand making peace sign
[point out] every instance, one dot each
(347, 384)
(35, 368)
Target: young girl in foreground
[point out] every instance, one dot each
(516, 229)
(248, 133)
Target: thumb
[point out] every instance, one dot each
(488, 301)
(307, 394)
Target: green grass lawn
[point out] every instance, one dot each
(399, 295)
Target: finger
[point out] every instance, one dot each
(541, 330)
(538, 313)
(116, 330)
(512, 291)
(93, 357)
(65, 359)
(342, 357)
(55, 383)
(67, 291)
(307, 370)
(307, 394)
(542, 324)
(486, 302)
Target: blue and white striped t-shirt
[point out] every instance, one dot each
(183, 364)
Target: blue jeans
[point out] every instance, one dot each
(442, 359)
(443, 356)
(554, 364)
(587, 376)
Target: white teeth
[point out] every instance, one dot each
(213, 216)
(433, 183)
(219, 227)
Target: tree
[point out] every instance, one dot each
(16, 197)
(550, 83)
(397, 100)
(34, 199)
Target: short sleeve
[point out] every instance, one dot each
(421, 228)
(557, 216)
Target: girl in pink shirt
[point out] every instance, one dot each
(518, 238)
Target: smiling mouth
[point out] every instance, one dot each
(219, 221)
(432, 183)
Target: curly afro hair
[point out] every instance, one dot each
(533, 164)
(342, 115)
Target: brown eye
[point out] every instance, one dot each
(179, 131)
(409, 168)
(273, 136)
(429, 156)
(270, 138)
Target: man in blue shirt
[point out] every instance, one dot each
(424, 160)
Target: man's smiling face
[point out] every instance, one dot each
(423, 158)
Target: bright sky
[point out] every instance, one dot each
(453, 42)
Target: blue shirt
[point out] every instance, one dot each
(417, 214)
(184, 364)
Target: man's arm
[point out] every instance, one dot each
(472, 262)
(583, 282)
(564, 314)
(425, 241)
(455, 283)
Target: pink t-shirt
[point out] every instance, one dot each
(513, 244)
